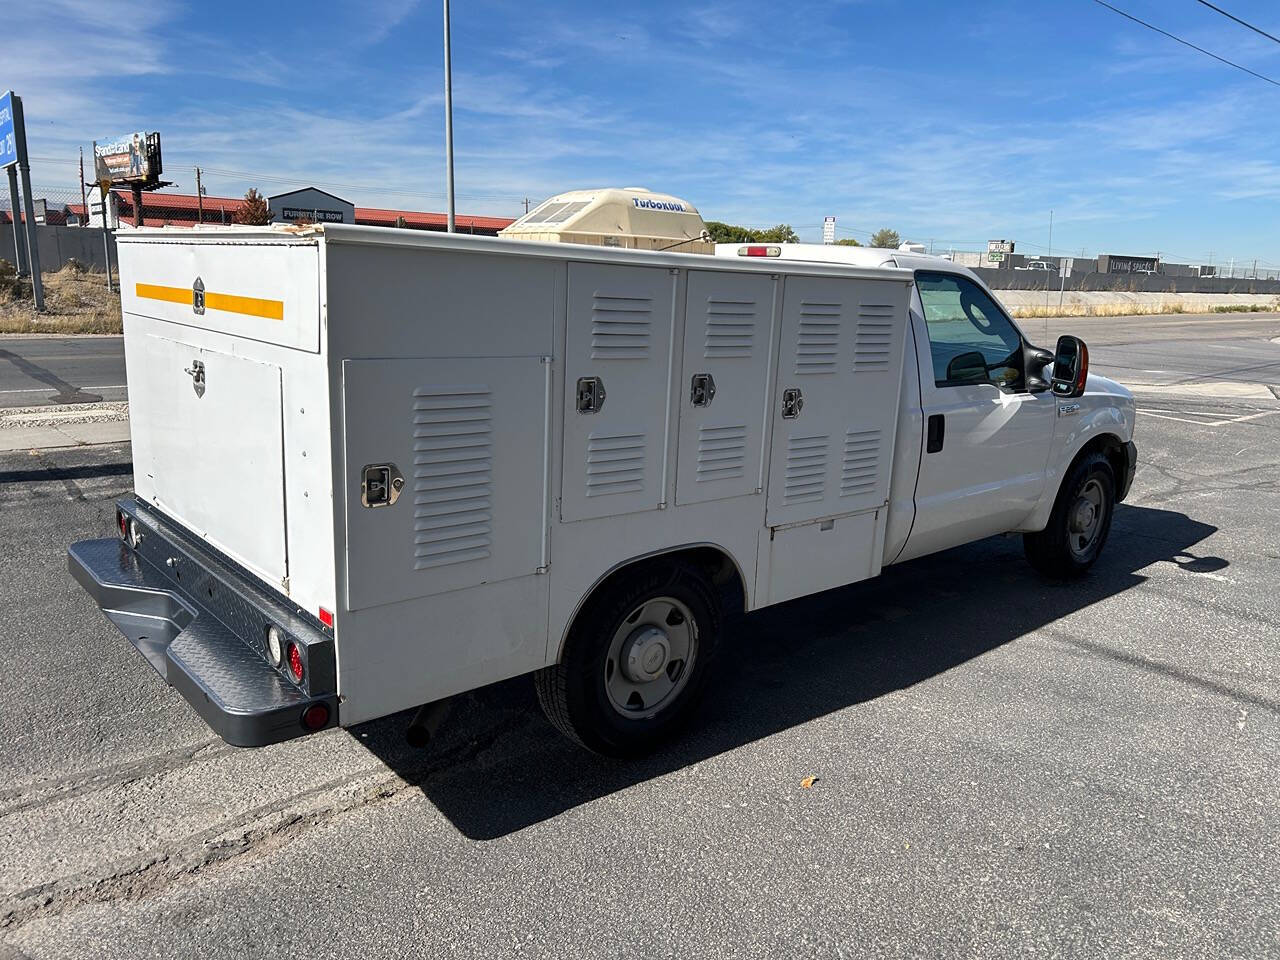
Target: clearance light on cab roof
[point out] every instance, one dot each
(760, 251)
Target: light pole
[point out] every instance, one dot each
(448, 120)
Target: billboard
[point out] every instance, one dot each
(1114, 263)
(8, 132)
(133, 158)
(999, 250)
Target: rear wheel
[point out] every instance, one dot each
(635, 661)
(1080, 522)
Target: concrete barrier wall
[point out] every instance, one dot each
(57, 245)
(1123, 283)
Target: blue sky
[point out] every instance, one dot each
(956, 122)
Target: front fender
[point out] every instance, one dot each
(1107, 408)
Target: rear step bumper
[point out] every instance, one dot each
(202, 624)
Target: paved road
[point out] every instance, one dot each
(1007, 766)
(37, 371)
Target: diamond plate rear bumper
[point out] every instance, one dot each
(202, 625)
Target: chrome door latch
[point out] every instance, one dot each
(702, 389)
(380, 484)
(792, 403)
(590, 394)
(196, 373)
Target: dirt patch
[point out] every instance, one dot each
(76, 301)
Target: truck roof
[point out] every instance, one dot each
(394, 236)
(864, 257)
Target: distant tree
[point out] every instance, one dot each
(732, 233)
(886, 239)
(847, 242)
(254, 209)
(782, 233)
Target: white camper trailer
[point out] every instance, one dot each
(375, 468)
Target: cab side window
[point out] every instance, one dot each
(970, 338)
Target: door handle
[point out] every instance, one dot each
(936, 433)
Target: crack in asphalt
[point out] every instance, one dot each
(48, 792)
(258, 830)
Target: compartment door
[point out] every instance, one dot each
(468, 437)
(841, 349)
(728, 339)
(618, 341)
(208, 445)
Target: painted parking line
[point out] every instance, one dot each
(1165, 415)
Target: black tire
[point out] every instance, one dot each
(575, 693)
(1058, 550)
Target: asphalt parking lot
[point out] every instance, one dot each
(1006, 765)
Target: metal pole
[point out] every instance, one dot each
(106, 236)
(448, 119)
(17, 222)
(199, 198)
(137, 203)
(84, 196)
(28, 208)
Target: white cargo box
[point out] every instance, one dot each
(542, 415)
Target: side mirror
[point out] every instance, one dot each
(1034, 360)
(968, 367)
(1070, 367)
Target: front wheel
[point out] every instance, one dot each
(1081, 519)
(635, 661)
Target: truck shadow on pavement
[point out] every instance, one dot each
(497, 766)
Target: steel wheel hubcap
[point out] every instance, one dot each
(1086, 518)
(650, 657)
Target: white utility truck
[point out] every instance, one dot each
(375, 467)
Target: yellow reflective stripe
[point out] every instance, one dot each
(253, 306)
(227, 302)
(154, 291)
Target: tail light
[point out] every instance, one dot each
(122, 524)
(295, 661)
(315, 716)
(760, 251)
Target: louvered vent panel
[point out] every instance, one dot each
(806, 469)
(452, 479)
(861, 462)
(722, 452)
(818, 340)
(731, 326)
(615, 463)
(874, 337)
(620, 327)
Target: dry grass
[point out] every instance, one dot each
(1133, 310)
(76, 301)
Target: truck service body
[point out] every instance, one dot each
(374, 468)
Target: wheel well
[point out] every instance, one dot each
(1110, 446)
(717, 565)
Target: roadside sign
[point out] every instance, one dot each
(999, 246)
(829, 230)
(8, 133)
(1064, 267)
(995, 256)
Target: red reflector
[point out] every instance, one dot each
(295, 662)
(757, 251)
(315, 716)
(123, 523)
(326, 617)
